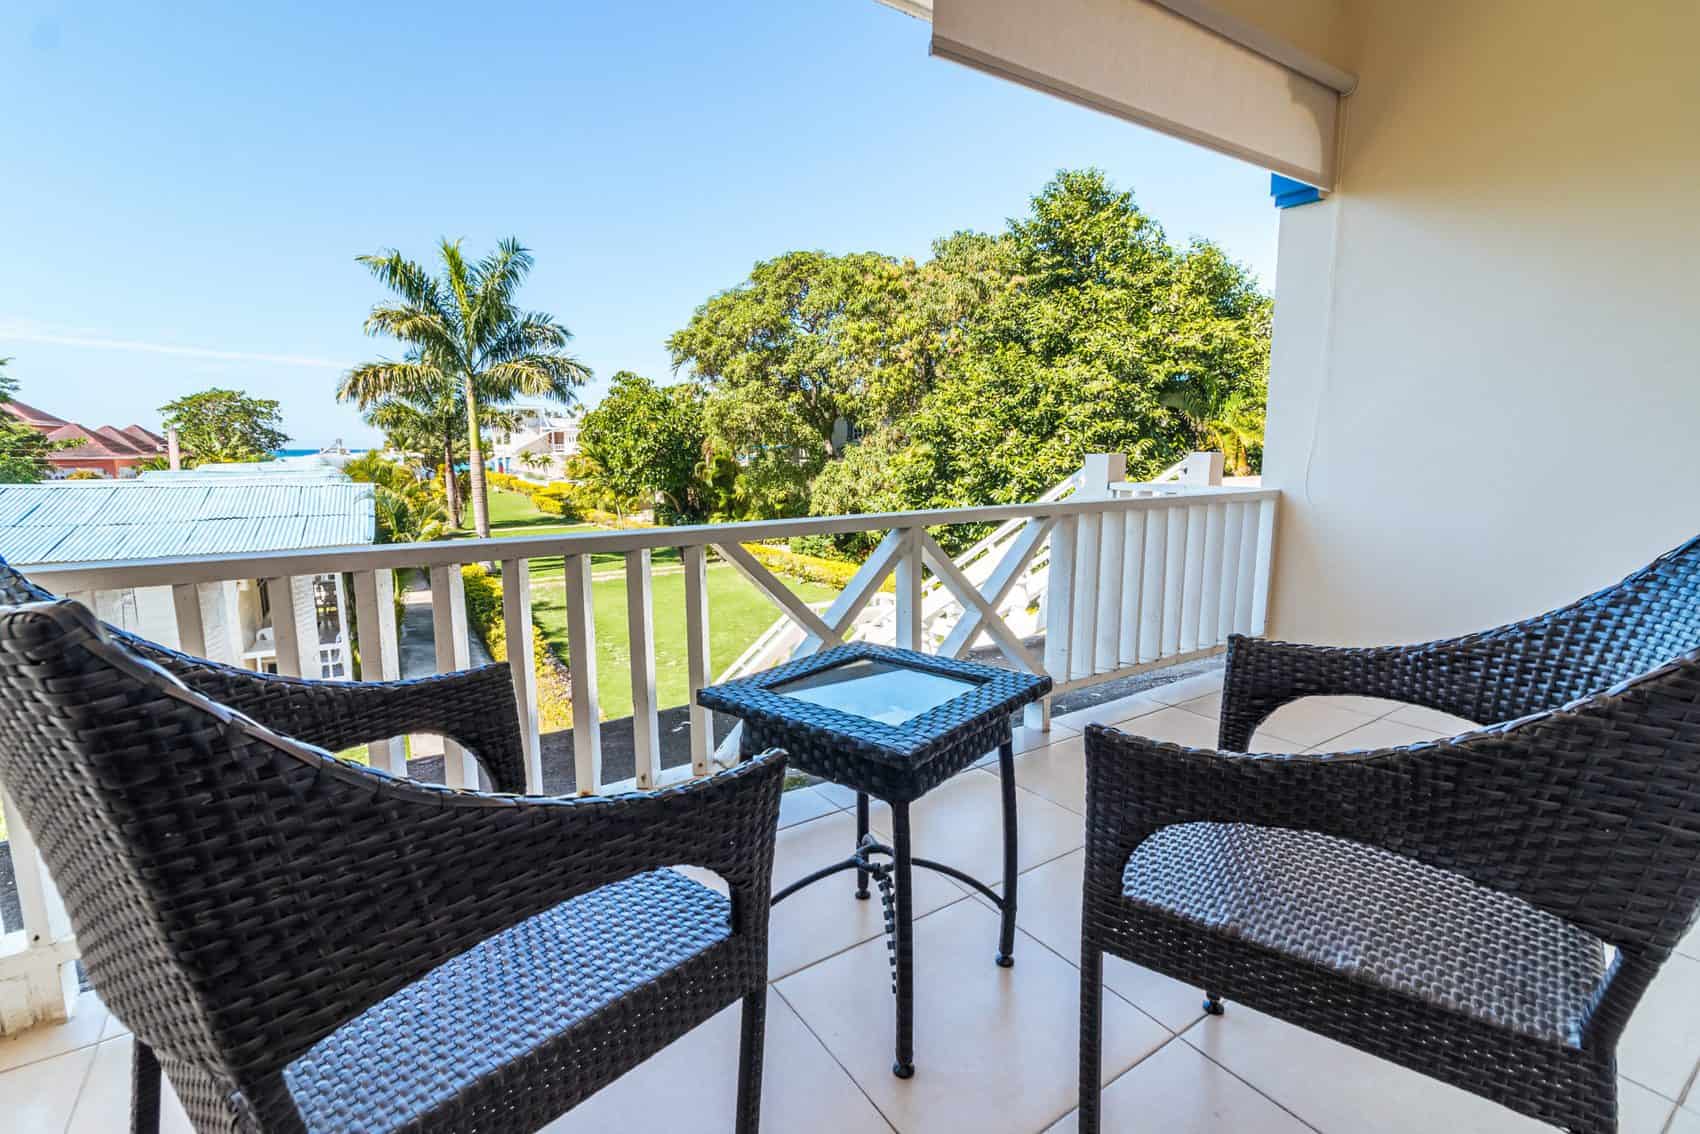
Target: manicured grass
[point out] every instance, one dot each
(508, 509)
(737, 615)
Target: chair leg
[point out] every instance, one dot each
(1213, 1004)
(1006, 931)
(861, 836)
(750, 1062)
(1091, 1036)
(144, 1090)
(904, 1065)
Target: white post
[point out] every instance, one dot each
(909, 611)
(380, 657)
(448, 631)
(1247, 583)
(1059, 599)
(42, 985)
(1210, 600)
(516, 621)
(1152, 594)
(1233, 525)
(1265, 561)
(697, 659)
(191, 628)
(1132, 587)
(1202, 468)
(581, 649)
(1174, 579)
(640, 625)
(286, 635)
(1194, 581)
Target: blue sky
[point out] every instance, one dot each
(186, 186)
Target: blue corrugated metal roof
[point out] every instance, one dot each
(78, 522)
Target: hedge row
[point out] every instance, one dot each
(484, 615)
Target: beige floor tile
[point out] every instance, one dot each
(1307, 721)
(961, 824)
(1057, 772)
(824, 918)
(1177, 726)
(799, 805)
(1685, 1121)
(1178, 1091)
(1432, 719)
(114, 1027)
(38, 1097)
(1384, 733)
(1640, 1111)
(1025, 738)
(691, 1086)
(1340, 1090)
(1110, 712)
(1661, 1045)
(1187, 688)
(995, 1049)
(1370, 707)
(104, 1104)
(1048, 908)
(45, 1041)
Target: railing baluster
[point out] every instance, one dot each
(1059, 599)
(286, 631)
(380, 657)
(522, 665)
(448, 634)
(1192, 583)
(1151, 591)
(1174, 579)
(1265, 560)
(1083, 648)
(1233, 521)
(1210, 597)
(908, 573)
(191, 629)
(1247, 581)
(697, 660)
(640, 628)
(581, 650)
(1132, 584)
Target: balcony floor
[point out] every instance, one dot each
(995, 1048)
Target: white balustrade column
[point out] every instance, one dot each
(286, 632)
(191, 627)
(1132, 587)
(1059, 600)
(448, 631)
(581, 652)
(40, 982)
(697, 660)
(522, 666)
(909, 603)
(380, 654)
(1265, 562)
(640, 626)
(1233, 525)
(1210, 596)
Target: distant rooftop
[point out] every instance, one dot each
(313, 467)
(212, 514)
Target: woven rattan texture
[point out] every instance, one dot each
(1375, 916)
(896, 763)
(239, 897)
(1580, 807)
(474, 707)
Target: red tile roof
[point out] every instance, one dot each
(29, 415)
(132, 444)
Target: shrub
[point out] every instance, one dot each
(484, 615)
(807, 568)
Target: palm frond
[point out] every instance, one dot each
(554, 376)
(372, 382)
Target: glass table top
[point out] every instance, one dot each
(877, 690)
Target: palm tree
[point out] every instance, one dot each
(1229, 420)
(464, 333)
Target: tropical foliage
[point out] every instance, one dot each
(468, 348)
(410, 509)
(218, 426)
(645, 441)
(23, 451)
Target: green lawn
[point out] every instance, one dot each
(738, 613)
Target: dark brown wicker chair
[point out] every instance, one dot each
(474, 707)
(1486, 909)
(305, 944)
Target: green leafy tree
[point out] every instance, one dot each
(23, 451)
(218, 425)
(465, 331)
(409, 509)
(647, 441)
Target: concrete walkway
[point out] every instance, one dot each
(418, 636)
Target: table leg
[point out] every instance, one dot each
(904, 1067)
(1006, 931)
(861, 837)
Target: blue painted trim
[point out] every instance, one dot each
(1288, 192)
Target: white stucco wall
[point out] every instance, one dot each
(1485, 392)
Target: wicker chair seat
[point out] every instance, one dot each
(498, 1016)
(1378, 917)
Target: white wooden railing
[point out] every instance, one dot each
(1136, 575)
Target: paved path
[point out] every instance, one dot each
(418, 637)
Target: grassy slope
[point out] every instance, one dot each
(737, 612)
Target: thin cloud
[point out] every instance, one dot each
(97, 342)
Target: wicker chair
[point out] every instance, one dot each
(305, 944)
(1486, 909)
(474, 707)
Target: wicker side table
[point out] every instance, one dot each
(892, 725)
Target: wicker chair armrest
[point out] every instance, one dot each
(473, 707)
(1456, 675)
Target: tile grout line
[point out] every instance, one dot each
(82, 1085)
(830, 1054)
(1251, 1086)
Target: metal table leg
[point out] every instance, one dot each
(904, 1067)
(1006, 931)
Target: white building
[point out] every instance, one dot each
(202, 512)
(540, 447)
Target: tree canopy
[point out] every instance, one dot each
(647, 441)
(220, 425)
